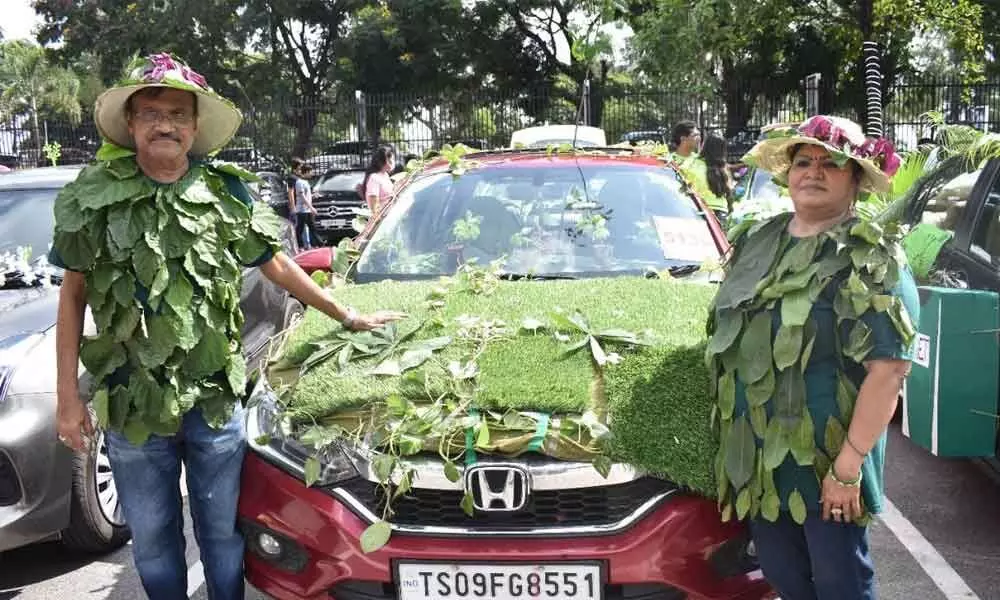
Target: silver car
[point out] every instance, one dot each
(47, 491)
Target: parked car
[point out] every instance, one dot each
(342, 156)
(656, 136)
(557, 135)
(951, 400)
(337, 201)
(47, 491)
(647, 542)
(248, 158)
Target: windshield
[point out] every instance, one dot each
(340, 182)
(26, 220)
(560, 219)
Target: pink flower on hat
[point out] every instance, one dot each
(193, 77)
(817, 127)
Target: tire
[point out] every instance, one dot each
(96, 522)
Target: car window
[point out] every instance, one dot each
(557, 220)
(26, 220)
(986, 235)
(340, 182)
(944, 198)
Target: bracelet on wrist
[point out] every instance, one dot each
(847, 439)
(844, 482)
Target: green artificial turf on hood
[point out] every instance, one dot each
(658, 397)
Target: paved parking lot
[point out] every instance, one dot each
(940, 539)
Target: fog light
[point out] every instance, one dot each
(269, 544)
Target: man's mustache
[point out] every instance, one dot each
(164, 136)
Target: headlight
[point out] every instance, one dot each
(270, 437)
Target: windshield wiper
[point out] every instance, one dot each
(676, 270)
(534, 276)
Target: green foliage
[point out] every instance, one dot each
(508, 356)
(113, 226)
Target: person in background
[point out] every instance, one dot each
(686, 141)
(377, 185)
(720, 181)
(300, 204)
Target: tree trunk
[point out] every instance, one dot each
(739, 98)
(304, 118)
(38, 133)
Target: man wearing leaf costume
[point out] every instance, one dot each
(155, 243)
(810, 340)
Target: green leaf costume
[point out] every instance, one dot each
(781, 295)
(163, 267)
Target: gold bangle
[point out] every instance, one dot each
(852, 483)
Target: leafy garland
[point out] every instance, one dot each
(752, 445)
(450, 424)
(179, 248)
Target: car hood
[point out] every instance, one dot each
(31, 310)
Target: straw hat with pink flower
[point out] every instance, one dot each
(842, 138)
(218, 118)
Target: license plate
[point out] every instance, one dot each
(448, 581)
(333, 223)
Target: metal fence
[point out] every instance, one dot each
(342, 133)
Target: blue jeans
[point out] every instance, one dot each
(819, 560)
(148, 481)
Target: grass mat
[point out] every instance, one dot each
(658, 397)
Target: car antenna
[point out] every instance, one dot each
(584, 94)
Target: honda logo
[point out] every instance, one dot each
(497, 488)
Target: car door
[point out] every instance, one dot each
(953, 199)
(984, 234)
(264, 304)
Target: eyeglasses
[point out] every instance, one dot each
(177, 118)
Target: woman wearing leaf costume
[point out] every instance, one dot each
(809, 343)
(155, 244)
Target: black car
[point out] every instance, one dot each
(337, 199)
(964, 202)
(47, 491)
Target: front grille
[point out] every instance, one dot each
(579, 507)
(376, 590)
(10, 488)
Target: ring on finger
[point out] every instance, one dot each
(836, 512)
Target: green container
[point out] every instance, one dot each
(950, 397)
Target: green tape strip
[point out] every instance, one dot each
(470, 442)
(540, 430)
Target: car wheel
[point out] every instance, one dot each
(97, 521)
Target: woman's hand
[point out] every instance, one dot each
(374, 320)
(842, 502)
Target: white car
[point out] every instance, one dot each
(555, 135)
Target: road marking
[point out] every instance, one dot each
(196, 577)
(930, 560)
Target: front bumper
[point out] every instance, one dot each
(665, 555)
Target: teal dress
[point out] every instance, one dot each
(821, 378)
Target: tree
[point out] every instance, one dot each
(301, 38)
(30, 83)
(783, 41)
(546, 28)
(204, 33)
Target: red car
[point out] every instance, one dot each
(631, 536)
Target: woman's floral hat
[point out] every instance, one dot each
(842, 138)
(218, 118)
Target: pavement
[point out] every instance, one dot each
(939, 539)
